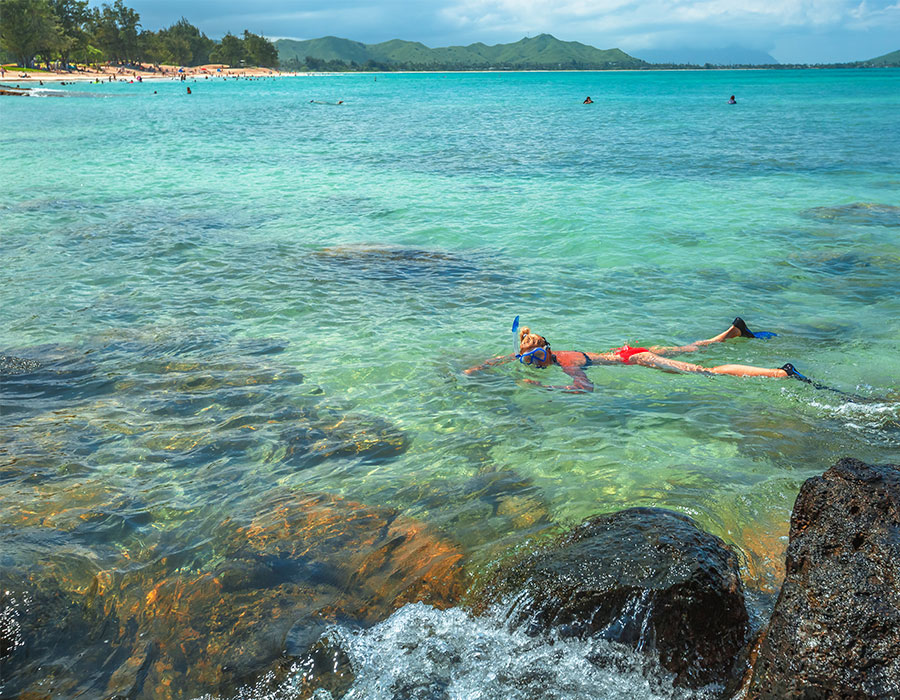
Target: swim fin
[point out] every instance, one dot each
(747, 333)
(792, 372)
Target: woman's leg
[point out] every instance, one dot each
(651, 359)
(732, 332)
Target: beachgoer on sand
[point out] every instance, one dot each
(534, 350)
(588, 101)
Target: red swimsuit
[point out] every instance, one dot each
(626, 352)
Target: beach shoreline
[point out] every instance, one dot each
(221, 71)
(140, 74)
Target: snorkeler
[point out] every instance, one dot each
(534, 350)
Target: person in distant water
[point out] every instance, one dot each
(189, 91)
(588, 101)
(534, 350)
(732, 101)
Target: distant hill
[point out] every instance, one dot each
(889, 60)
(544, 51)
(731, 56)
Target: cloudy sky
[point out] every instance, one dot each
(804, 31)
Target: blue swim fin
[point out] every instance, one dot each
(792, 372)
(747, 333)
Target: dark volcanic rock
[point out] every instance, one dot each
(645, 577)
(835, 631)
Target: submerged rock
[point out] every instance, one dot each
(487, 512)
(835, 631)
(38, 621)
(328, 434)
(645, 577)
(304, 560)
(858, 213)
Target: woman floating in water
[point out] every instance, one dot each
(534, 350)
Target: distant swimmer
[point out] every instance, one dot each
(189, 91)
(320, 102)
(732, 101)
(587, 101)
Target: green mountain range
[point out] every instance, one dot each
(889, 60)
(544, 51)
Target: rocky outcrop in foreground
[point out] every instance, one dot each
(646, 577)
(835, 631)
(176, 628)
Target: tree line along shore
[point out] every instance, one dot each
(65, 34)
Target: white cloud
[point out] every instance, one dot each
(491, 15)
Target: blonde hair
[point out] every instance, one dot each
(534, 340)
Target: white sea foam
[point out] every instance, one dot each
(424, 653)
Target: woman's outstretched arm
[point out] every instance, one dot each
(499, 360)
(580, 384)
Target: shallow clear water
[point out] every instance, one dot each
(198, 273)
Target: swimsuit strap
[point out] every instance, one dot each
(587, 360)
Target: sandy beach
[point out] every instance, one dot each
(135, 73)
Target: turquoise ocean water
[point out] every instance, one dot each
(200, 273)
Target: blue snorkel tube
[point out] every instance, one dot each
(515, 332)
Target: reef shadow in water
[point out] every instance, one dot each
(386, 263)
(864, 213)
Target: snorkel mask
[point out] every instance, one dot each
(532, 356)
